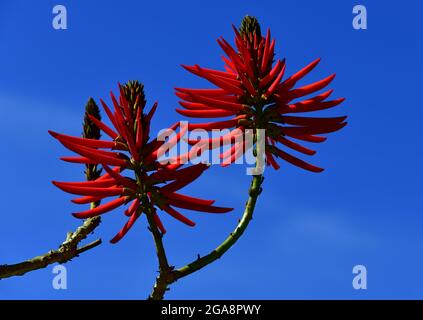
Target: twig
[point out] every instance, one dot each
(66, 251)
(168, 277)
(69, 248)
(165, 271)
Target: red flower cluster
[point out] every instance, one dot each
(252, 93)
(152, 184)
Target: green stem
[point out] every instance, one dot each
(169, 276)
(165, 271)
(231, 239)
(66, 251)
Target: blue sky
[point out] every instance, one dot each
(309, 229)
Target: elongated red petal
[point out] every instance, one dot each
(101, 209)
(310, 107)
(218, 103)
(107, 176)
(311, 121)
(247, 84)
(308, 138)
(109, 114)
(313, 87)
(79, 160)
(297, 162)
(120, 179)
(172, 212)
(86, 199)
(217, 142)
(128, 225)
(220, 82)
(159, 223)
(188, 199)
(152, 111)
(97, 155)
(139, 139)
(239, 152)
(314, 130)
(198, 207)
(89, 191)
(186, 179)
(218, 73)
(295, 146)
(284, 99)
(275, 83)
(103, 183)
(237, 62)
(172, 174)
(271, 160)
(204, 92)
(191, 97)
(196, 106)
(292, 80)
(265, 59)
(92, 143)
(229, 65)
(205, 113)
(134, 205)
(102, 126)
(213, 125)
(272, 74)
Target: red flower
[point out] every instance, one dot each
(252, 94)
(153, 184)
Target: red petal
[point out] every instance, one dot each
(89, 191)
(305, 90)
(213, 125)
(100, 209)
(217, 103)
(79, 160)
(314, 130)
(134, 205)
(271, 160)
(273, 73)
(111, 133)
(172, 212)
(120, 179)
(92, 143)
(186, 179)
(98, 155)
(308, 138)
(184, 198)
(198, 207)
(295, 146)
(205, 113)
(265, 60)
(204, 92)
(159, 223)
(297, 162)
(86, 199)
(292, 80)
(311, 121)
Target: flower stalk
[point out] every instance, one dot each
(169, 275)
(70, 248)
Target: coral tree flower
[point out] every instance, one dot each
(252, 94)
(130, 149)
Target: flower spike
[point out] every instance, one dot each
(252, 88)
(153, 184)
